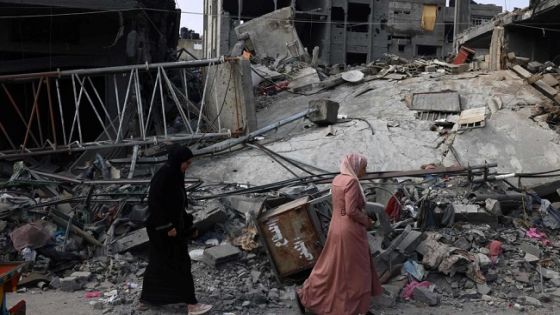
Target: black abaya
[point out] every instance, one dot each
(168, 278)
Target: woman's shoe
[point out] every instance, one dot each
(198, 309)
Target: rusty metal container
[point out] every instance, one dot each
(290, 237)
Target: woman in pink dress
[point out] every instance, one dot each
(344, 279)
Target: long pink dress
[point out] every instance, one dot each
(344, 278)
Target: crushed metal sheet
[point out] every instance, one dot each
(446, 102)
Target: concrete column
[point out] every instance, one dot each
(462, 18)
(230, 96)
(370, 32)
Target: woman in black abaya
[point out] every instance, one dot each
(168, 278)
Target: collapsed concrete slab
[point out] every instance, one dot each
(273, 35)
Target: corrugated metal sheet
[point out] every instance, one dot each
(446, 101)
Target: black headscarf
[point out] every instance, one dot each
(178, 154)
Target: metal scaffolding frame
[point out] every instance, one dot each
(144, 102)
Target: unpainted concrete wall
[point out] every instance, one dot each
(230, 95)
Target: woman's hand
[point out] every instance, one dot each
(172, 233)
(371, 224)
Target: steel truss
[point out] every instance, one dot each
(142, 101)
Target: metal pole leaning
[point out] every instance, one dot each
(61, 112)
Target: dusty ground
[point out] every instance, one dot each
(64, 303)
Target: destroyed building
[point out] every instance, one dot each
(462, 175)
(350, 32)
(531, 33)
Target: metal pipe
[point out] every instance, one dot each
(203, 100)
(274, 158)
(117, 99)
(139, 104)
(61, 112)
(76, 230)
(109, 118)
(187, 94)
(163, 113)
(103, 182)
(133, 163)
(125, 105)
(7, 136)
(176, 100)
(83, 87)
(37, 111)
(146, 126)
(94, 146)
(18, 111)
(231, 143)
(51, 111)
(77, 101)
(31, 116)
(112, 70)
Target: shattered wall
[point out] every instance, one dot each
(229, 101)
(531, 33)
(351, 31)
(284, 44)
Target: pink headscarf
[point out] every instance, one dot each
(351, 165)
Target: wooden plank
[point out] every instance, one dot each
(522, 72)
(546, 89)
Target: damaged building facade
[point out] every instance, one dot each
(531, 33)
(351, 32)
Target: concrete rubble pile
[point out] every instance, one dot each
(446, 141)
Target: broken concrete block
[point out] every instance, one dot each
(431, 68)
(220, 254)
(389, 296)
(530, 249)
(555, 282)
(131, 240)
(548, 273)
(83, 276)
(472, 213)
(304, 80)
(493, 206)
(97, 305)
(534, 66)
(324, 112)
(242, 204)
(70, 284)
(483, 260)
(550, 79)
(426, 296)
(483, 288)
(531, 301)
(410, 242)
(523, 277)
(207, 219)
(273, 34)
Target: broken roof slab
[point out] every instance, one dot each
(547, 9)
(401, 141)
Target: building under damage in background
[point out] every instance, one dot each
(531, 33)
(351, 31)
(463, 159)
